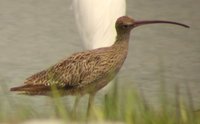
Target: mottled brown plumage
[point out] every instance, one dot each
(88, 71)
(81, 73)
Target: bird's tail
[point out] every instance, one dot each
(29, 89)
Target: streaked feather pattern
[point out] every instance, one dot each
(92, 69)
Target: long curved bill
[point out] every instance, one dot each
(139, 23)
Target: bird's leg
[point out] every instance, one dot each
(74, 111)
(90, 104)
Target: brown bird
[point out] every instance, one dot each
(88, 71)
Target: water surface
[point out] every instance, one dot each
(36, 34)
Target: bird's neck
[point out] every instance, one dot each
(121, 42)
(122, 38)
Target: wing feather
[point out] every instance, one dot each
(79, 69)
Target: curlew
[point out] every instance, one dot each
(88, 71)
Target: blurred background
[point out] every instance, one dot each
(35, 34)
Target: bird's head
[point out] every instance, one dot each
(125, 24)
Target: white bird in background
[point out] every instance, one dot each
(96, 21)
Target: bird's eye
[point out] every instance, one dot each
(125, 26)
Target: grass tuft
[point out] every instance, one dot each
(125, 106)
